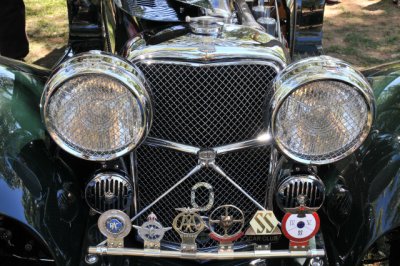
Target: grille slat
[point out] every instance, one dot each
(204, 106)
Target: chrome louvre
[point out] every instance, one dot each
(108, 191)
(310, 187)
(205, 106)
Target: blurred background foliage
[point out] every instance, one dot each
(362, 32)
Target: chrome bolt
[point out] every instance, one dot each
(91, 259)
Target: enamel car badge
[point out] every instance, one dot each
(264, 227)
(115, 225)
(210, 191)
(152, 232)
(300, 224)
(226, 225)
(188, 224)
(300, 228)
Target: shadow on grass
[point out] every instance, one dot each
(51, 58)
(363, 35)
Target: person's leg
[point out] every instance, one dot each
(13, 39)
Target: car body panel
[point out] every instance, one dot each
(41, 191)
(37, 189)
(372, 175)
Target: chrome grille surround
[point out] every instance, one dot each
(238, 101)
(208, 105)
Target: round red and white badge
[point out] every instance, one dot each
(300, 228)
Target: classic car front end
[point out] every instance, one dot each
(200, 142)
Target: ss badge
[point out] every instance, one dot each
(264, 227)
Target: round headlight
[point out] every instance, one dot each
(96, 106)
(322, 110)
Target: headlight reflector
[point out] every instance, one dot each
(97, 107)
(321, 113)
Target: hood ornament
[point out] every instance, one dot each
(205, 25)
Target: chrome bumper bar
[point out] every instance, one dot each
(258, 254)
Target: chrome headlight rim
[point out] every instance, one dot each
(109, 66)
(321, 68)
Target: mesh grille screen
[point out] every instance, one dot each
(204, 106)
(209, 105)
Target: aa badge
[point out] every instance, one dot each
(188, 224)
(263, 227)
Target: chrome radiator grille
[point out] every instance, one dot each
(207, 106)
(204, 106)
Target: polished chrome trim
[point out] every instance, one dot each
(246, 16)
(103, 176)
(222, 173)
(262, 140)
(291, 181)
(317, 69)
(96, 62)
(133, 170)
(155, 142)
(205, 25)
(269, 254)
(273, 161)
(222, 8)
(192, 172)
(234, 43)
(272, 64)
(278, 22)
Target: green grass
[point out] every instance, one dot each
(358, 40)
(362, 32)
(361, 38)
(47, 28)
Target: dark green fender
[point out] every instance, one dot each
(37, 190)
(372, 175)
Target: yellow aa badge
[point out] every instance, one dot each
(263, 223)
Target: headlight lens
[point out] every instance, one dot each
(96, 107)
(323, 112)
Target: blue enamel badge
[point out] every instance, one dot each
(114, 225)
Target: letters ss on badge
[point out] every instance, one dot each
(265, 225)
